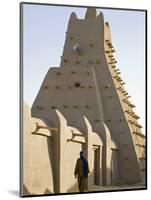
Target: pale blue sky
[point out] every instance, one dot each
(44, 36)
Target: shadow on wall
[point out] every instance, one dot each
(27, 193)
(91, 183)
(74, 188)
(51, 160)
(142, 164)
(90, 186)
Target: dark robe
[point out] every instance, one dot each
(82, 170)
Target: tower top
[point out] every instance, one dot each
(91, 13)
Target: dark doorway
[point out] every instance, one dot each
(96, 165)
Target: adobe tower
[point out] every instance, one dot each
(84, 100)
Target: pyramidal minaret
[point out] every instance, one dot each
(88, 84)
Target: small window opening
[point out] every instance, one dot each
(77, 84)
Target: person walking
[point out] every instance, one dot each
(81, 171)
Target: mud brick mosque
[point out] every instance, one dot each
(82, 105)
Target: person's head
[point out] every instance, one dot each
(81, 154)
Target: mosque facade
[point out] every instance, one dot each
(82, 105)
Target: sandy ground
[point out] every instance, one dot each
(115, 187)
(94, 188)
